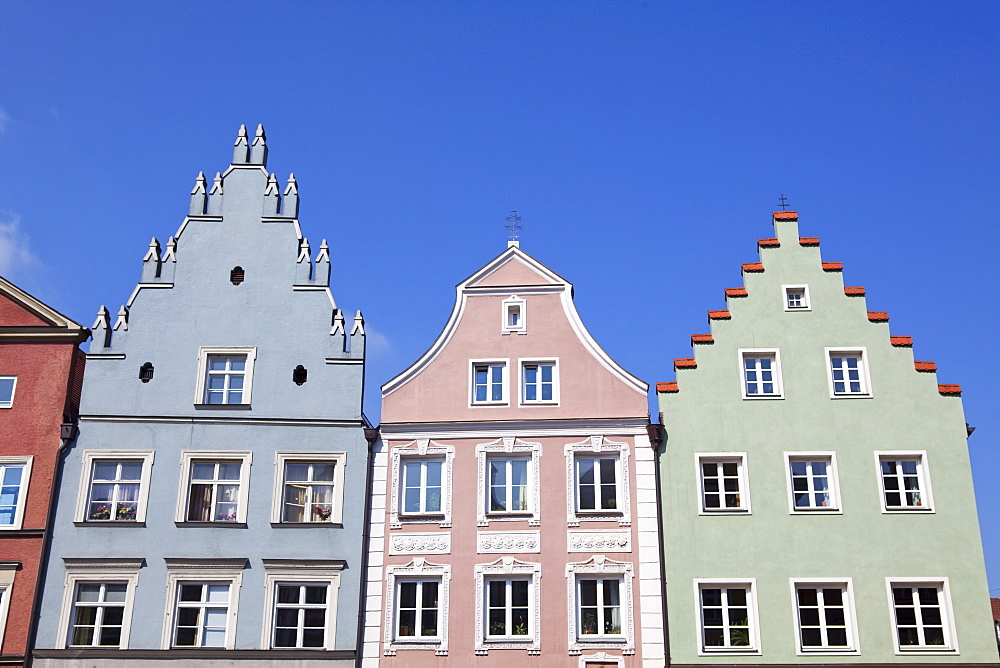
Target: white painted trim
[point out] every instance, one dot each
(853, 640)
(925, 480)
(9, 403)
(521, 363)
(45, 312)
(250, 352)
(509, 568)
(805, 297)
(508, 448)
(832, 473)
(140, 286)
(188, 457)
(862, 352)
(418, 569)
(569, 428)
(103, 574)
(274, 577)
(105, 356)
(711, 583)
(951, 634)
(7, 573)
(597, 446)
(283, 457)
(505, 381)
(601, 567)
(22, 499)
(89, 457)
(372, 593)
(239, 418)
(522, 326)
(774, 354)
(744, 476)
(176, 577)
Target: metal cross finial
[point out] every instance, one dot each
(513, 225)
(783, 199)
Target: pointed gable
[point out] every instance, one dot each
(18, 309)
(512, 271)
(14, 314)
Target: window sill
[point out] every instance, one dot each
(109, 523)
(222, 407)
(759, 397)
(227, 525)
(850, 396)
(423, 517)
(304, 525)
(827, 651)
(821, 511)
(584, 514)
(489, 403)
(539, 403)
(925, 651)
(906, 511)
(504, 640)
(728, 650)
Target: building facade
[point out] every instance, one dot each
(41, 368)
(513, 500)
(816, 489)
(209, 512)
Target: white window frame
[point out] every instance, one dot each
(833, 482)
(761, 353)
(202, 571)
(96, 571)
(806, 303)
(250, 352)
(514, 302)
(524, 362)
(282, 458)
(89, 458)
(420, 449)
(864, 376)
(508, 448)
(509, 568)
(947, 616)
(597, 446)
(923, 474)
(740, 459)
(22, 498)
(850, 618)
(188, 457)
(505, 382)
(600, 567)
(9, 403)
(8, 571)
(301, 572)
(417, 570)
(750, 584)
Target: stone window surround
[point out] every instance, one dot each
(761, 353)
(202, 571)
(508, 447)
(505, 381)
(22, 499)
(750, 584)
(9, 402)
(597, 446)
(89, 458)
(283, 457)
(417, 569)
(249, 352)
(188, 457)
(806, 303)
(741, 459)
(923, 472)
(836, 507)
(522, 326)
(847, 585)
(947, 614)
(301, 571)
(600, 566)
(508, 567)
(861, 352)
(84, 571)
(422, 449)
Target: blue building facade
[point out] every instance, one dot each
(211, 509)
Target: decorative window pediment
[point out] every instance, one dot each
(508, 606)
(421, 483)
(597, 481)
(509, 487)
(600, 605)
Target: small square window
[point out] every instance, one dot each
(824, 617)
(848, 373)
(489, 382)
(812, 482)
(7, 386)
(215, 486)
(723, 484)
(761, 374)
(921, 615)
(540, 382)
(14, 475)
(597, 484)
(225, 376)
(727, 617)
(514, 310)
(904, 481)
(796, 297)
(311, 487)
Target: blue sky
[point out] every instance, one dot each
(644, 143)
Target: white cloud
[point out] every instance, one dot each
(4, 117)
(14, 250)
(376, 341)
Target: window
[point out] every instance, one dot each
(540, 382)
(97, 602)
(723, 483)
(509, 485)
(301, 601)
(600, 604)
(7, 571)
(416, 612)
(513, 314)
(203, 600)
(921, 612)
(508, 605)
(812, 481)
(508, 482)
(508, 609)
(596, 484)
(14, 475)
(848, 373)
(727, 617)
(489, 382)
(311, 487)
(761, 374)
(225, 376)
(215, 485)
(903, 481)
(796, 297)
(114, 485)
(422, 483)
(7, 385)
(824, 616)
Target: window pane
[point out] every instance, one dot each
(115, 593)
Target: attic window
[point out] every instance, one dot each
(237, 275)
(146, 372)
(299, 375)
(513, 314)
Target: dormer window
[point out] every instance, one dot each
(512, 314)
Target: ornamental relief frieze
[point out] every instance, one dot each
(508, 541)
(420, 543)
(599, 541)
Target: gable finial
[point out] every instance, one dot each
(214, 207)
(198, 196)
(513, 226)
(101, 330)
(290, 200)
(782, 201)
(303, 251)
(241, 150)
(258, 151)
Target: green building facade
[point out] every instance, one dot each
(816, 489)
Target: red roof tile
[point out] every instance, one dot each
(753, 266)
(785, 215)
(768, 242)
(685, 363)
(995, 604)
(668, 387)
(878, 316)
(833, 266)
(950, 389)
(701, 338)
(809, 241)
(854, 290)
(721, 314)
(901, 340)
(924, 366)
(736, 292)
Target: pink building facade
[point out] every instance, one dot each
(514, 515)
